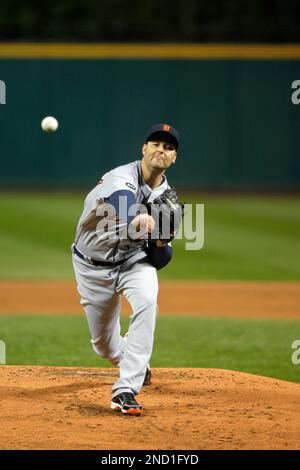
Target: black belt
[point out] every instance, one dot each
(104, 264)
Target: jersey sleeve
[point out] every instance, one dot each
(112, 182)
(120, 198)
(118, 190)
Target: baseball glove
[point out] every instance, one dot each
(167, 211)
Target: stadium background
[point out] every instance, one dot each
(238, 124)
(227, 88)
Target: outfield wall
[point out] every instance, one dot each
(238, 125)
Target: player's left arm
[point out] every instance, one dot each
(168, 211)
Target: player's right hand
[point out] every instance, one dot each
(141, 226)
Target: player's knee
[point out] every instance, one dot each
(102, 349)
(144, 308)
(148, 300)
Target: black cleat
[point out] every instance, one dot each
(126, 403)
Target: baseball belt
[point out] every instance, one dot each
(104, 264)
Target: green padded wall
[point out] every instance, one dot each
(237, 122)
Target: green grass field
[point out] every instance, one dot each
(246, 238)
(260, 347)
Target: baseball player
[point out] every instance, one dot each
(119, 246)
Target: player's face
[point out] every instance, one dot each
(159, 155)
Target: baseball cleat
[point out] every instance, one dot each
(148, 376)
(126, 403)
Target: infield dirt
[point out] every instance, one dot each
(69, 408)
(199, 298)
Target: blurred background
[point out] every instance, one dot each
(221, 72)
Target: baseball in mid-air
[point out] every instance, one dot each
(49, 124)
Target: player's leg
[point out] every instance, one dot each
(104, 328)
(140, 287)
(148, 373)
(102, 307)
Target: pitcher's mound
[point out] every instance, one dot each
(69, 408)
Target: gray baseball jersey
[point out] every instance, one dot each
(105, 245)
(101, 287)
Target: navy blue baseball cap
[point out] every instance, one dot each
(164, 132)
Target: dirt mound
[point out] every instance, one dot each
(68, 408)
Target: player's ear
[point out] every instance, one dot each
(174, 158)
(144, 149)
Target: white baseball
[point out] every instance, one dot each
(49, 124)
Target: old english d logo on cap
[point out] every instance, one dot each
(167, 130)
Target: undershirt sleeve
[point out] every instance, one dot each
(159, 256)
(115, 199)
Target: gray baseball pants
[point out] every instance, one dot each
(100, 292)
